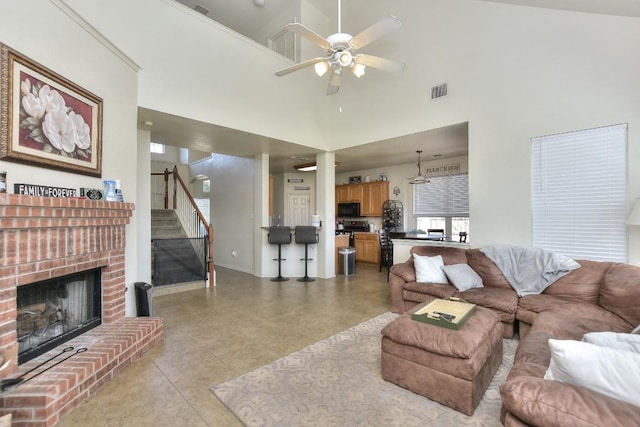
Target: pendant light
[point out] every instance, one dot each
(419, 179)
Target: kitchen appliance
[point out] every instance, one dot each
(352, 227)
(349, 210)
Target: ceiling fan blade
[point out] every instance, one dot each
(299, 66)
(334, 83)
(374, 32)
(308, 34)
(379, 63)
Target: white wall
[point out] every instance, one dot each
(58, 43)
(232, 209)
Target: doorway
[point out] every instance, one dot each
(298, 209)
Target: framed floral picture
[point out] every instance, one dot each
(47, 120)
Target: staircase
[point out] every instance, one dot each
(166, 225)
(175, 258)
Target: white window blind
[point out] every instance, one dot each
(579, 194)
(442, 196)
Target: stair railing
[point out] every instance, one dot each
(190, 216)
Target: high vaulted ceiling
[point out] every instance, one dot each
(247, 18)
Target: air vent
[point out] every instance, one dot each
(202, 10)
(439, 91)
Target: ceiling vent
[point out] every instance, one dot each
(439, 91)
(202, 10)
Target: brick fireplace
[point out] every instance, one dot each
(43, 238)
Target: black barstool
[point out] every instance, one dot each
(279, 236)
(307, 235)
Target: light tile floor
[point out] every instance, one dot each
(212, 336)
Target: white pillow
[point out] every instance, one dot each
(462, 276)
(429, 269)
(604, 370)
(628, 342)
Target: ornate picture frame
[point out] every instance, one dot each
(47, 120)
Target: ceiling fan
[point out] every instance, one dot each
(340, 48)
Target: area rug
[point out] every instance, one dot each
(337, 382)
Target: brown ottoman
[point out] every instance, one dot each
(448, 366)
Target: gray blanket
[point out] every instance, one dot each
(529, 270)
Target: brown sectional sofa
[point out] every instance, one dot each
(598, 296)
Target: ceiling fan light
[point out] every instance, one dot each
(344, 58)
(321, 68)
(358, 70)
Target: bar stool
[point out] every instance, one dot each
(279, 236)
(307, 235)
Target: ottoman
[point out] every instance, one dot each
(448, 366)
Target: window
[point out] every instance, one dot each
(157, 148)
(579, 194)
(443, 203)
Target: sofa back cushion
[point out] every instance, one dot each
(620, 292)
(582, 284)
(449, 255)
(491, 275)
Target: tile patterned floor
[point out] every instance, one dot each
(212, 336)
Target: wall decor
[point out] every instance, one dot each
(43, 190)
(47, 120)
(355, 179)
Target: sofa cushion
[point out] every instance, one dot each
(566, 307)
(604, 370)
(541, 402)
(449, 255)
(628, 342)
(503, 300)
(462, 276)
(581, 284)
(558, 325)
(439, 290)
(429, 269)
(620, 292)
(491, 275)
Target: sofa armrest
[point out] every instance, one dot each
(406, 271)
(537, 401)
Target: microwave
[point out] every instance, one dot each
(349, 210)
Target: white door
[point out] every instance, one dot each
(298, 210)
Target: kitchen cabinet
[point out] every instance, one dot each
(349, 193)
(367, 247)
(370, 195)
(341, 242)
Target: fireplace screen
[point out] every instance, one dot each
(54, 311)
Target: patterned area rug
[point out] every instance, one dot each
(337, 382)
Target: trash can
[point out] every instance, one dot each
(347, 260)
(144, 299)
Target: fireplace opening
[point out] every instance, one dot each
(54, 311)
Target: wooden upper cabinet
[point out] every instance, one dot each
(370, 195)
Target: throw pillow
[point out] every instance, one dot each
(628, 342)
(607, 371)
(429, 269)
(462, 276)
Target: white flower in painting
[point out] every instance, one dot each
(53, 99)
(25, 87)
(60, 130)
(83, 134)
(34, 106)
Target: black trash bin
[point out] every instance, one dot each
(144, 299)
